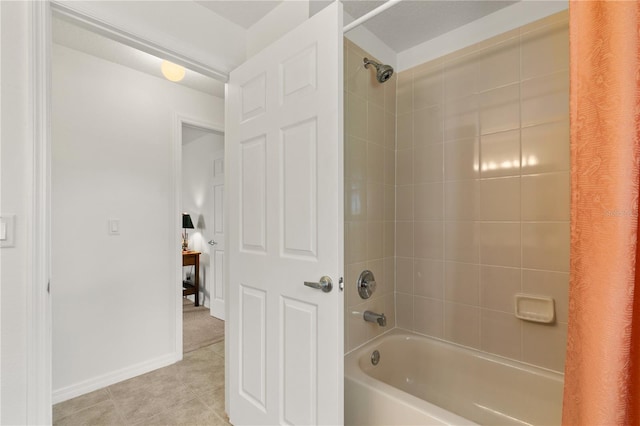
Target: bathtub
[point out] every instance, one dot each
(423, 381)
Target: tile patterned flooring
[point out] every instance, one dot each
(190, 392)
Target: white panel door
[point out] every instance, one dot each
(218, 247)
(285, 203)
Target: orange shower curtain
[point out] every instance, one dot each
(602, 373)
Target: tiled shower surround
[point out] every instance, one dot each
(481, 194)
(369, 192)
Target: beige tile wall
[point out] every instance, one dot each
(482, 195)
(370, 120)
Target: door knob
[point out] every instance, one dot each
(325, 284)
(212, 243)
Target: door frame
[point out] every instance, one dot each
(38, 218)
(180, 120)
(212, 269)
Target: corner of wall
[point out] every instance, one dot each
(368, 41)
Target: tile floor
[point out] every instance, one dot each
(190, 392)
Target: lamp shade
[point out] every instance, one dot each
(186, 221)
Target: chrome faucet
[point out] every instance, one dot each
(373, 317)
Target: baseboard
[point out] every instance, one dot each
(191, 297)
(68, 392)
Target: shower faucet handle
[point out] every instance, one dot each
(366, 284)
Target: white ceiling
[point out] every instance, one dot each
(412, 22)
(242, 12)
(74, 37)
(401, 27)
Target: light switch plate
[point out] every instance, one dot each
(114, 226)
(7, 230)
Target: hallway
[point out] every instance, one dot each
(188, 392)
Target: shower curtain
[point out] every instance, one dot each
(602, 372)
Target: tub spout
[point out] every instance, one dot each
(373, 317)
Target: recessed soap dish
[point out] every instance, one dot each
(535, 308)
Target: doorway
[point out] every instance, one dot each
(203, 203)
(116, 201)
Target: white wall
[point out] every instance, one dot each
(114, 296)
(15, 193)
(197, 199)
(17, 403)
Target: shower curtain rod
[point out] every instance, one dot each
(364, 18)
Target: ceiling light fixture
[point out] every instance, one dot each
(171, 71)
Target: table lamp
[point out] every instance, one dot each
(186, 224)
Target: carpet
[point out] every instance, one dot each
(199, 328)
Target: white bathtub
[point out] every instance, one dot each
(423, 381)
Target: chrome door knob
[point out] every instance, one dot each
(325, 284)
(212, 243)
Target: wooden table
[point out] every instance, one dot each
(192, 258)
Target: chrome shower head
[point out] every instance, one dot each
(383, 72)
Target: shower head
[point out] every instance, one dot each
(383, 72)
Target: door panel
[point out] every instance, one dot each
(285, 204)
(300, 325)
(299, 183)
(252, 338)
(253, 180)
